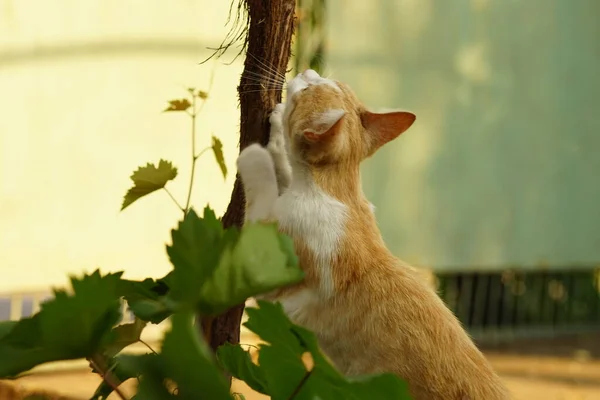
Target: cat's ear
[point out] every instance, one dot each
(326, 126)
(385, 127)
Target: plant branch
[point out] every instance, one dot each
(300, 384)
(148, 346)
(210, 85)
(203, 151)
(193, 116)
(270, 25)
(174, 199)
(195, 156)
(107, 376)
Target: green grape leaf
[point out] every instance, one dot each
(146, 289)
(194, 253)
(154, 311)
(256, 260)
(217, 148)
(148, 179)
(69, 326)
(238, 363)
(22, 348)
(202, 94)
(189, 361)
(283, 370)
(287, 246)
(124, 335)
(178, 105)
(308, 341)
(150, 369)
(280, 360)
(270, 323)
(184, 360)
(78, 324)
(6, 327)
(215, 269)
(146, 299)
(211, 220)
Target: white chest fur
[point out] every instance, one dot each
(307, 213)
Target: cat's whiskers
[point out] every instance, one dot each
(263, 85)
(260, 77)
(266, 83)
(263, 82)
(259, 87)
(267, 68)
(259, 90)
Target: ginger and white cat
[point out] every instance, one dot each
(370, 311)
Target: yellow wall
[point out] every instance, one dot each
(82, 86)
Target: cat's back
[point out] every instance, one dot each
(406, 329)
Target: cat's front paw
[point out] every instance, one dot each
(276, 140)
(276, 117)
(254, 161)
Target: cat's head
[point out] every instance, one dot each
(326, 123)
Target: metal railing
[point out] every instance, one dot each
(521, 304)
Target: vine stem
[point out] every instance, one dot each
(174, 199)
(300, 384)
(107, 377)
(195, 156)
(148, 346)
(203, 151)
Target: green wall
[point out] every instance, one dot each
(502, 167)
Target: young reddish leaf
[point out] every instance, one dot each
(217, 148)
(178, 105)
(148, 179)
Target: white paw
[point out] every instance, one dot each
(251, 157)
(276, 144)
(276, 117)
(276, 140)
(257, 172)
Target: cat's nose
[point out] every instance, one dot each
(310, 74)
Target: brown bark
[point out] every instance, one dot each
(269, 40)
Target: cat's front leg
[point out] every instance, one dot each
(277, 149)
(256, 169)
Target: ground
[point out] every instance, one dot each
(565, 368)
(528, 377)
